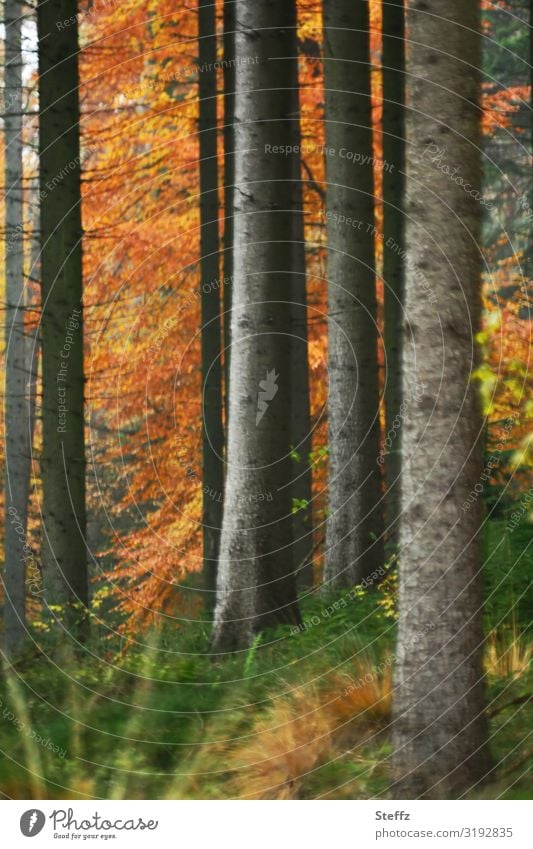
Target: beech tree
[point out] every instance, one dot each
(17, 429)
(64, 554)
(354, 535)
(212, 429)
(393, 58)
(440, 734)
(256, 581)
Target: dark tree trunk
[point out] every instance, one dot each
(256, 583)
(17, 441)
(212, 430)
(393, 249)
(440, 734)
(529, 248)
(354, 537)
(229, 183)
(64, 553)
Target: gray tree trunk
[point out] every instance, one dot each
(64, 553)
(440, 735)
(393, 249)
(17, 442)
(354, 535)
(256, 583)
(212, 432)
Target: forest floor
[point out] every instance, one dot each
(299, 715)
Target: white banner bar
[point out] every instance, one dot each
(268, 825)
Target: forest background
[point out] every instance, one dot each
(145, 697)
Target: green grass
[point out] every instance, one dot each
(136, 725)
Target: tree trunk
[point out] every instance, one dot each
(229, 182)
(33, 338)
(354, 535)
(64, 552)
(393, 249)
(301, 438)
(529, 246)
(212, 433)
(256, 585)
(440, 735)
(16, 411)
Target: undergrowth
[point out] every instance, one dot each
(303, 714)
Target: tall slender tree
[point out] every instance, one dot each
(440, 735)
(64, 554)
(212, 428)
(256, 585)
(393, 28)
(33, 337)
(301, 439)
(354, 534)
(229, 180)
(17, 441)
(529, 248)
(301, 488)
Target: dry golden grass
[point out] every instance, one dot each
(507, 654)
(288, 740)
(306, 729)
(284, 751)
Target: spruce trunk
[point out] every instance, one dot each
(256, 585)
(229, 187)
(354, 535)
(440, 730)
(393, 251)
(212, 432)
(17, 443)
(64, 553)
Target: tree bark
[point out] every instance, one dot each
(354, 535)
(64, 554)
(212, 430)
(393, 249)
(529, 247)
(256, 586)
(229, 184)
(17, 443)
(440, 735)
